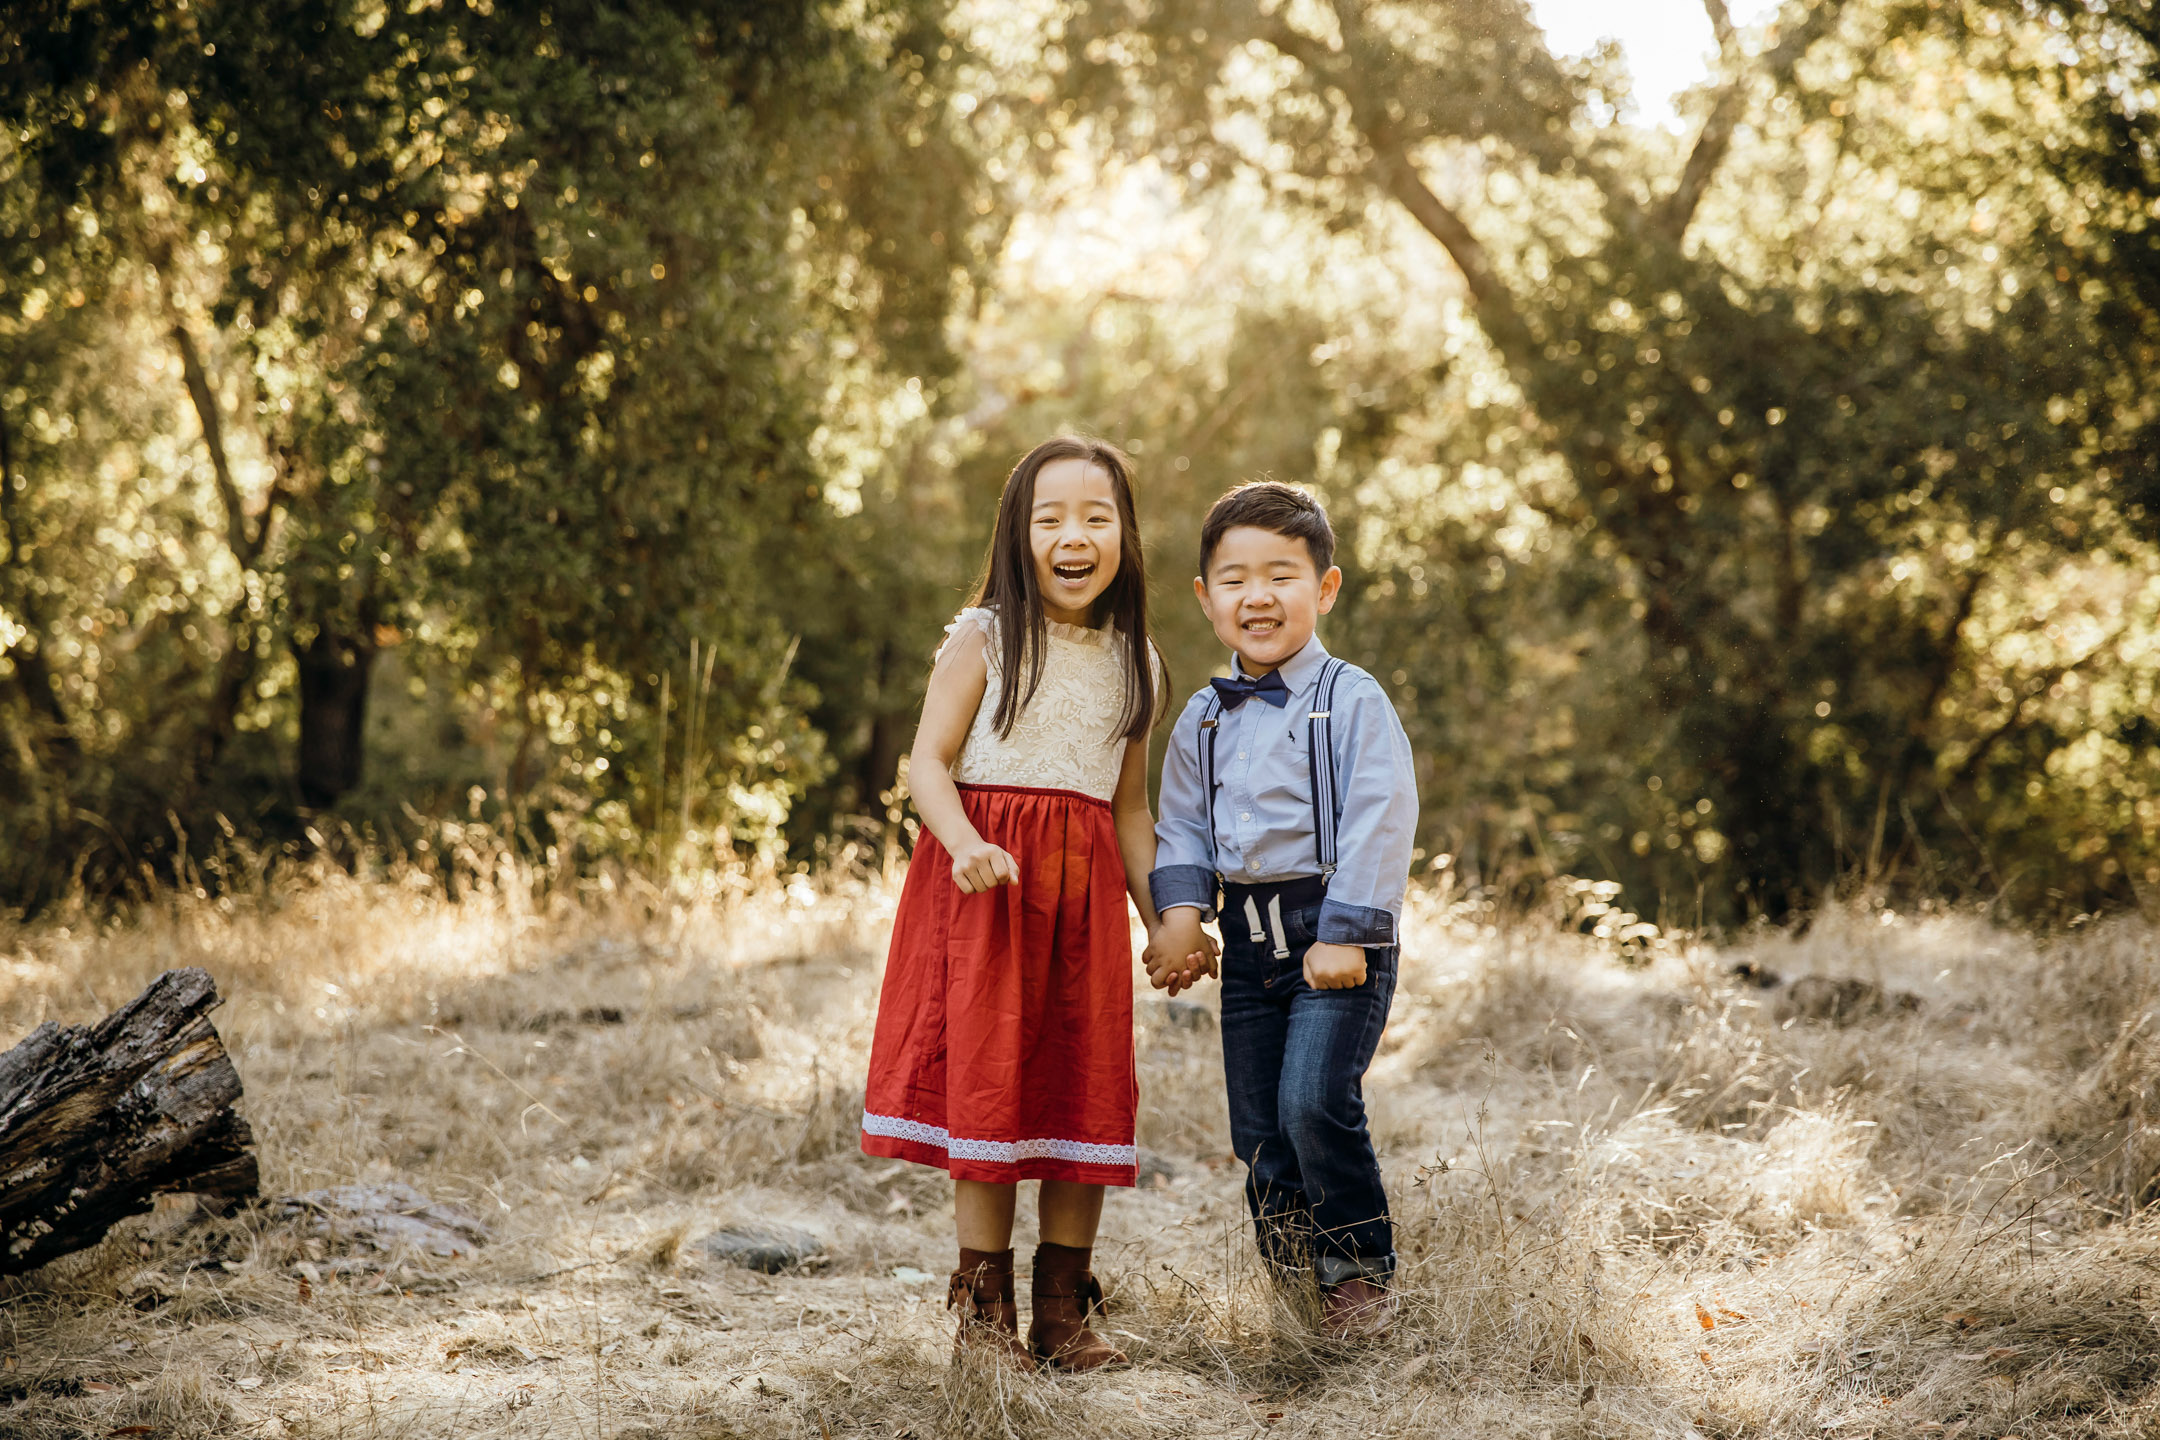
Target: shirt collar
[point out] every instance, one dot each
(1299, 671)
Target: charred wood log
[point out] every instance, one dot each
(95, 1120)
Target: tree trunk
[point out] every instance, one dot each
(879, 769)
(334, 673)
(1750, 753)
(32, 675)
(96, 1119)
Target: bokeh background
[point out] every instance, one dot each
(580, 419)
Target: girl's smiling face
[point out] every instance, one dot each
(1076, 538)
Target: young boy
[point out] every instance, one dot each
(1288, 792)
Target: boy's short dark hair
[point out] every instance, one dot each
(1275, 507)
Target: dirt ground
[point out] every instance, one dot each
(1899, 1192)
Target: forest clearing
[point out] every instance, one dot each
(507, 468)
(1649, 1198)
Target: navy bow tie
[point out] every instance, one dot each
(1237, 689)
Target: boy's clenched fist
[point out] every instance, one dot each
(1335, 967)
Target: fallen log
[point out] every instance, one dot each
(95, 1120)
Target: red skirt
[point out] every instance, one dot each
(1004, 1042)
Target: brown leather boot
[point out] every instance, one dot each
(1358, 1310)
(1066, 1294)
(982, 1291)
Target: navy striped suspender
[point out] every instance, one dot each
(1319, 757)
(1210, 722)
(1320, 764)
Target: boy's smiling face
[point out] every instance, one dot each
(1263, 595)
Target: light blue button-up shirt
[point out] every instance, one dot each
(1263, 803)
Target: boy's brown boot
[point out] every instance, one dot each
(982, 1291)
(1065, 1294)
(1358, 1310)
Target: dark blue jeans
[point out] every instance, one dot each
(1294, 1059)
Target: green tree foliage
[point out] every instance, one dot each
(1843, 397)
(492, 338)
(588, 414)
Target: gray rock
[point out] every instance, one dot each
(1157, 1170)
(1842, 1002)
(389, 1215)
(770, 1248)
(1186, 1015)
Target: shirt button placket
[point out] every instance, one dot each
(1245, 836)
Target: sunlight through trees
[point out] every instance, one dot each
(588, 417)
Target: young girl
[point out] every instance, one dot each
(1004, 1047)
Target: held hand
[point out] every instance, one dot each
(1151, 959)
(1173, 948)
(979, 867)
(1185, 974)
(1169, 978)
(1164, 968)
(1335, 967)
(1202, 961)
(1187, 971)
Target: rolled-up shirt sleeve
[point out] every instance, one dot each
(1378, 806)
(1184, 872)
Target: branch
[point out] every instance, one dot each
(1300, 47)
(32, 675)
(1941, 673)
(1715, 139)
(8, 527)
(213, 431)
(236, 665)
(2038, 686)
(1398, 175)
(1784, 57)
(1946, 663)
(1498, 313)
(1721, 26)
(1495, 302)
(1198, 439)
(1677, 210)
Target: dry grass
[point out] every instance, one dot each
(1633, 1201)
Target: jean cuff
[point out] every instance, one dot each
(1332, 1270)
(1183, 885)
(1342, 924)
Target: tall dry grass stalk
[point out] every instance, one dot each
(1637, 1195)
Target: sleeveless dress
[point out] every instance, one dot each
(1004, 1041)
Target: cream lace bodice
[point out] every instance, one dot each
(1065, 738)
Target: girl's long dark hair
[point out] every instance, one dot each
(1008, 587)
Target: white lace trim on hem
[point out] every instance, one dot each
(998, 1152)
